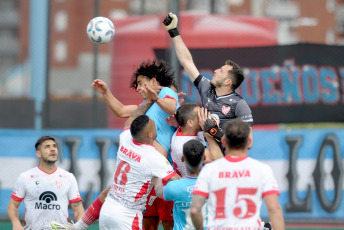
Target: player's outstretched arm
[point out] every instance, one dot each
(112, 102)
(78, 210)
(12, 212)
(275, 212)
(196, 211)
(139, 111)
(184, 56)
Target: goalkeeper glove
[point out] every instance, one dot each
(170, 22)
(210, 126)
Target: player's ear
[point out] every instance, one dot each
(154, 81)
(228, 82)
(182, 159)
(38, 154)
(223, 141)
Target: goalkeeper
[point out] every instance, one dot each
(218, 94)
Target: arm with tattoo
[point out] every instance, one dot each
(139, 111)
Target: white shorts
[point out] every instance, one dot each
(114, 215)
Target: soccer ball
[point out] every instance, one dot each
(100, 30)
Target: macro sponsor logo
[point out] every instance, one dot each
(45, 199)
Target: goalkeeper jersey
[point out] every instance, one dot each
(224, 107)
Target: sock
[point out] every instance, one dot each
(90, 216)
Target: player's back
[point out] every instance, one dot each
(136, 165)
(235, 186)
(180, 192)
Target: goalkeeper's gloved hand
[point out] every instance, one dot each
(210, 126)
(170, 22)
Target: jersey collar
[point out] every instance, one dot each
(235, 158)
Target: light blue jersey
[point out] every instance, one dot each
(180, 191)
(164, 130)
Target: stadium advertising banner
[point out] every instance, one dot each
(308, 165)
(284, 84)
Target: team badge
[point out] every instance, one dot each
(225, 109)
(58, 184)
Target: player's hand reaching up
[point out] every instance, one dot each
(100, 86)
(172, 121)
(150, 93)
(203, 115)
(171, 22)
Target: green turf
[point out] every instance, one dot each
(6, 225)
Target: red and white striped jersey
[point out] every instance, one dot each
(136, 165)
(46, 196)
(235, 187)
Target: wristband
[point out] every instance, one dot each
(174, 32)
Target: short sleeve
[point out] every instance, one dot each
(202, 185)
(170, 191)
(243, 111)
(18, 193)
(161, 168)
(73, 194)
(270, 184)
(169, 93)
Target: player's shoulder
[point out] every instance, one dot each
(64, 173)
(167, 91)
(29, 173)
(258, 164)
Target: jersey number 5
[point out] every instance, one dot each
(242, 194)
(121, 172)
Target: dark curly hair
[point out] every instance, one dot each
(154, 69)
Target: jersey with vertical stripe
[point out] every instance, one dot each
(177, 143)
(136, 165)
(235, 187)
(224, 107)
(180, 192)
(46, 196)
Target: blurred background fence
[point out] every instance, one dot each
(291, 50)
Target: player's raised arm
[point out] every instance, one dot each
(112, 102)
(184, 56)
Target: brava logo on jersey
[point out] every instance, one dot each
(48, 197)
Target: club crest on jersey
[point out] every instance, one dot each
(226, 109)
(58, 184)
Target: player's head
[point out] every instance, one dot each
(187, 115)
(46, 149)
(143, 129)
(154, 74)
(237, 134)
(230, 75)
(193, 155)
